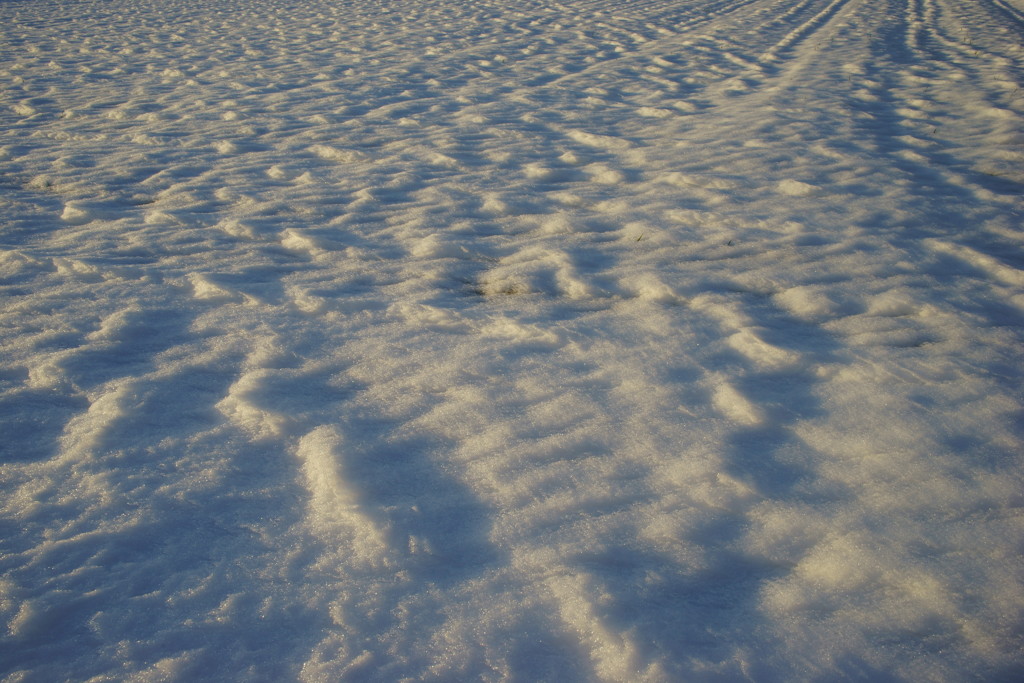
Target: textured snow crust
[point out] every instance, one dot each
(590, 340)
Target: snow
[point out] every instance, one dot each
(632, 340)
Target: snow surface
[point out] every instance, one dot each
(575, 340)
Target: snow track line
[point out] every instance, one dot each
(926, 22)
(1010, 12)
(731, 50)
(804, 31)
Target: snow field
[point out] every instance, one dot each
(632, 341)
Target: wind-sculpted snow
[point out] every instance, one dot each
(588, 340)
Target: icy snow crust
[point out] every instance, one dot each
(593, 340)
